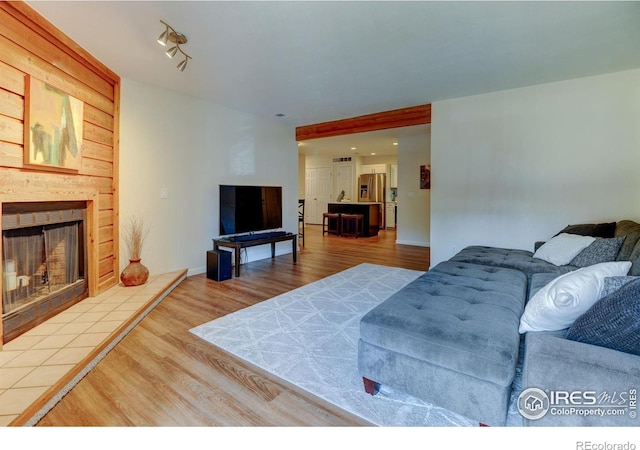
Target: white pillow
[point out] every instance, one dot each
(557, 305)
(561, 249)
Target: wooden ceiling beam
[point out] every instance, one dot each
(403, 117)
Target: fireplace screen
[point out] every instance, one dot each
(38, 261)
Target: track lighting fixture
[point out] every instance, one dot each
(171, 35)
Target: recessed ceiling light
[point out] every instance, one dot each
(373, 153)
(395, 143)
(353, 148)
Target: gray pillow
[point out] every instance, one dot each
(612, 322)
(612, 284)
(599, 251)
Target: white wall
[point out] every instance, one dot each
(313, 161)
(513, 167)
(379, 159)
(302, 186)
(189, 147)
(414, 150)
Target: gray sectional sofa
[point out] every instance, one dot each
(452, 337)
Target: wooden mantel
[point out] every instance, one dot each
(404, 117)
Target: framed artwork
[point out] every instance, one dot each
(425, 177)
(52, 127)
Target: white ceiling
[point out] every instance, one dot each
(327, 60)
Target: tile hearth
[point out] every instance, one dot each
(39, 359)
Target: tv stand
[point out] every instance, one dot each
(255, 236)
(257, 239)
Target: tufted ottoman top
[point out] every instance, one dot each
(460, 316)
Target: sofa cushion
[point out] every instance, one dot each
(613, 321)
(603, 230)
(554, 363)
(612, 284)
(631, 230)
(522, 260)
(561, 249)
(562, 301)
(601, 250)
(463, 317)
(538, 281)
(635, 260)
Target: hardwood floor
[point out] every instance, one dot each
(162, 375)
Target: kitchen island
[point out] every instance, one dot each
(370, 211)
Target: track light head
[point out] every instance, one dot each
(183, 64)
(172, 51)
(162, 39)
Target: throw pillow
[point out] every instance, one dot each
(561, 249)
(612, 322)
(631, 230)
(635, 260)
(558, 304)
(612, 284)
(603, 230)
(601, 250)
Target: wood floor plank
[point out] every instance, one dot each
(162, 375)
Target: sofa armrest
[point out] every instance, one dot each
(554, 363)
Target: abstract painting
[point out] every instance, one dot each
(53, 127)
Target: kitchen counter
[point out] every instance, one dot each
(370, 210)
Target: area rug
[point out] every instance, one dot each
(309, 337)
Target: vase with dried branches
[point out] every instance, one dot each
(134, 234)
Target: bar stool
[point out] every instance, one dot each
(301, 219)
(353, 222)
(331, 223)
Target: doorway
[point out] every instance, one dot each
(317, 193)
(336, 139)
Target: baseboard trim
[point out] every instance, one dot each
(414, 243)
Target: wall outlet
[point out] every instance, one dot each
(164, 193)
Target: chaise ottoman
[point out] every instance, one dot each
(450, 338)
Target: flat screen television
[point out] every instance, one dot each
(245, 209)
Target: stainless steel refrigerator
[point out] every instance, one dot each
(372, 188)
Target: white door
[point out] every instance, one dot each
(318, 193)
(344, 180)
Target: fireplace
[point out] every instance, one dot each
(43, 262)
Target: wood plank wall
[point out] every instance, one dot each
(29, 45)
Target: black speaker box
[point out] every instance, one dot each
(218, 265)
